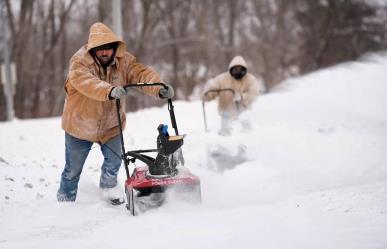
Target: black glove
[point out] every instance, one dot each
(166, 93)
(117, 92)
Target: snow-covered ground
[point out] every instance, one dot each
(314, 174)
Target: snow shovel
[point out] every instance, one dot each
(204, 107)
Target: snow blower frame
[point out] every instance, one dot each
(147, 186)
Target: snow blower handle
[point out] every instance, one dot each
(170, 105)
(145, 85)
(126, 160)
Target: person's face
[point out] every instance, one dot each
(238, 72)
(104, 55)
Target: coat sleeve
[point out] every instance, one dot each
(83, 80)
(212, 84)
(251, 92)
(138, 73)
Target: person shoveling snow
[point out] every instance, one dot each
(236, 90)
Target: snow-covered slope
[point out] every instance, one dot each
(313, 174)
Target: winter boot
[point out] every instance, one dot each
(113, 195)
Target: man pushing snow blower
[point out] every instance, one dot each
(98, 71)
(236, 91)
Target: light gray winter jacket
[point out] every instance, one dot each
(248, 88)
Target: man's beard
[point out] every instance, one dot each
(105, 60)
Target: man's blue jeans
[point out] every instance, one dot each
(76, 154)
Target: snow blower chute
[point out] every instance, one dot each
(147, 186)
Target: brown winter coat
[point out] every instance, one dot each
(248, 88)
(88, 112)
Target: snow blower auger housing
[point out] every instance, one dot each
(147, 187)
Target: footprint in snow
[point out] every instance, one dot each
(3, 161)
(28, 185)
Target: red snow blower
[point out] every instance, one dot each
(149, 185)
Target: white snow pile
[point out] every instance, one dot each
(310, 171)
